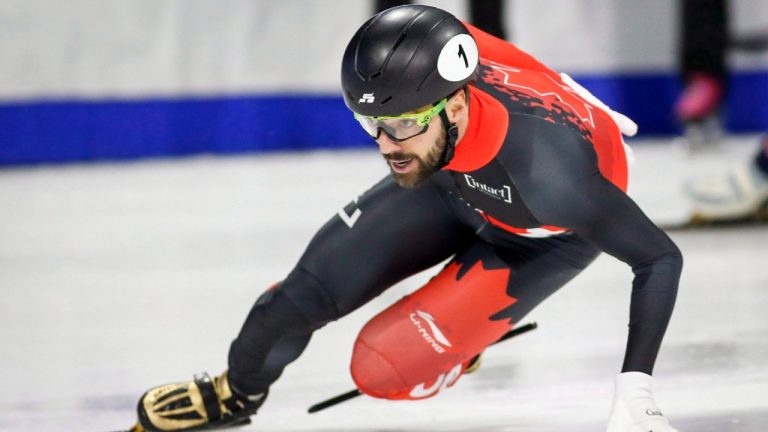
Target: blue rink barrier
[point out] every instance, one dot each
(69, 131)
(59, 131)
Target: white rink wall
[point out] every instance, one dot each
(105, 80)
(136, 48)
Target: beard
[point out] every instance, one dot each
(425, 167)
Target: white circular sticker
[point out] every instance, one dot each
(458, 59)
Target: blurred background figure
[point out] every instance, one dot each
(486, 15)
(738, 195)
(704, 32)
(706, 37)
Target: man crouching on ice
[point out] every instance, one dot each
(516, 173)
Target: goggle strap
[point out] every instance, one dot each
(451, 135)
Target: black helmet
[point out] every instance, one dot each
(405, 58)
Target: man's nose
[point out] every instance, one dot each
(386, 144)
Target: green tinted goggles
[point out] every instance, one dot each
(401, 127)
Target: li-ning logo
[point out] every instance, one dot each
(436, 339)
(503, 193)
(367, 98)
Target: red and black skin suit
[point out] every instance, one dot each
(534, 192)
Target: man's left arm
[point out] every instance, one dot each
(609, 219)
(614, 223)
(565, 188)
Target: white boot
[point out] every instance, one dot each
(634, 406)
(739, 194)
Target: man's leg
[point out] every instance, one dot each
(423, 343)
(388, 234)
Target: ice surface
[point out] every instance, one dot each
(118, 277)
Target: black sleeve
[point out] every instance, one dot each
(562, 186)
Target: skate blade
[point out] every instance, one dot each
(136, 428)
(236, 423)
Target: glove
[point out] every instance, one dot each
(634, 408)
(625, 124)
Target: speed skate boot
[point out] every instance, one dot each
(198, 405)
(473, 364)
(739, 195)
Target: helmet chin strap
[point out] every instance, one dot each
(451, 135)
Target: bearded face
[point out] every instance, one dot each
(411, 168)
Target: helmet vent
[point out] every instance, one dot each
(397, 43)
(386, 99)
(400, 39)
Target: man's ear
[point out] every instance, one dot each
(457, 105)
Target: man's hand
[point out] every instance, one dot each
(634, 408)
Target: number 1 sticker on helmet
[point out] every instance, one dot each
(458, 58)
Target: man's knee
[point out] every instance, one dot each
(310, 298)
(423, 342)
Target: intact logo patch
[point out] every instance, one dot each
(503, 193)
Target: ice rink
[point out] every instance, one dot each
(119, 277)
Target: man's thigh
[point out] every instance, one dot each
(432, 334)
(386, 235)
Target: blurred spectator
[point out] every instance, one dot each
(742, 193)
(703, 69)
(486, 15)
